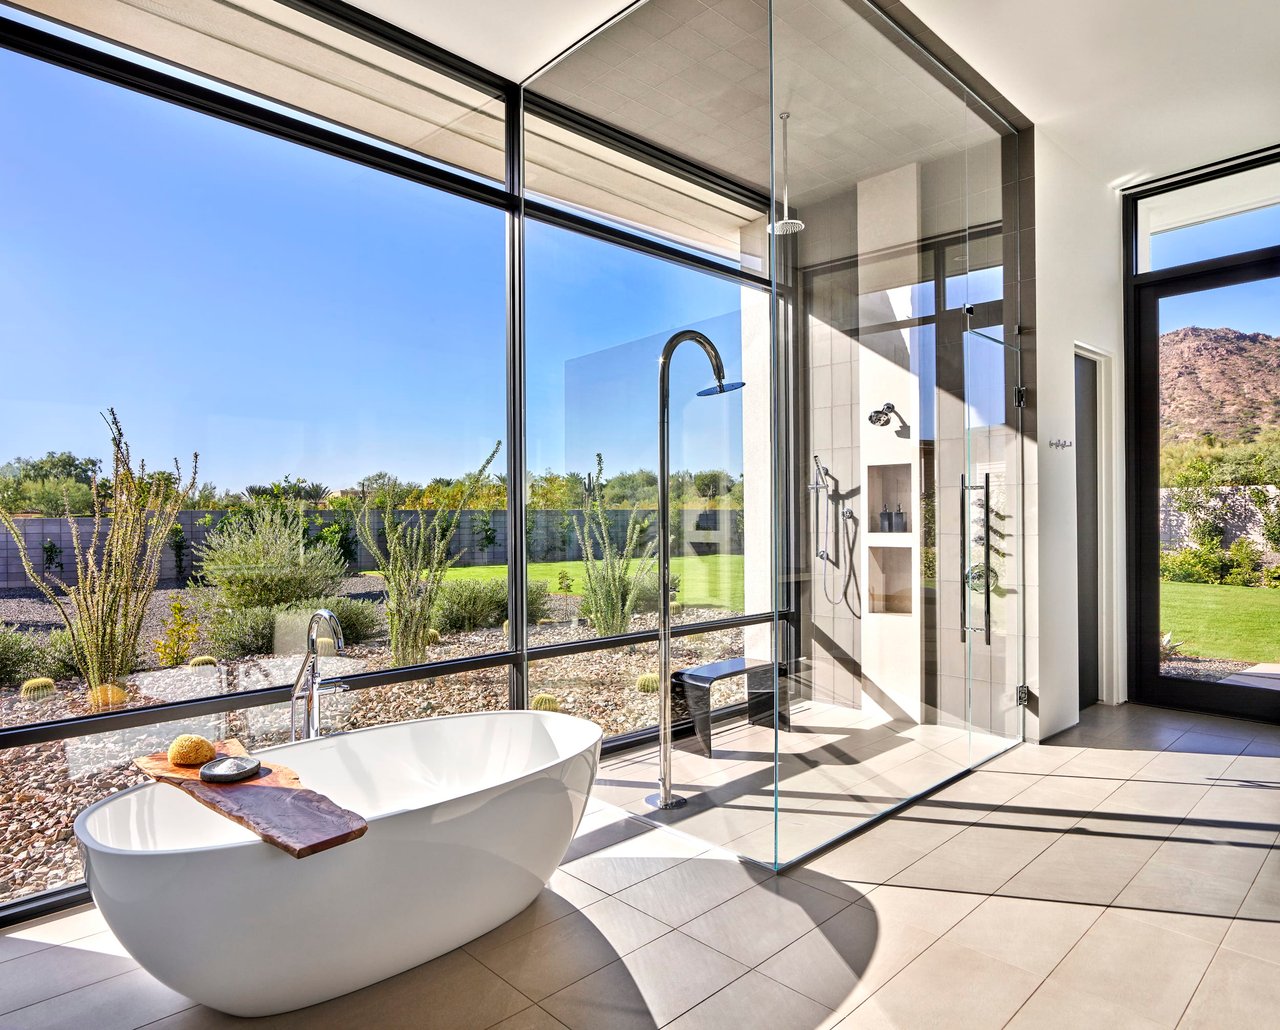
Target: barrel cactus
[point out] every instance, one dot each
(433, 637)
(326, 647)
(200, 661)
(106, 695)
(38, 689)
(545, 703)
(647, 683)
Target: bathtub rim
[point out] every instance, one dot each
(91, 843)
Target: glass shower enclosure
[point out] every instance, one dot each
(874, 521)
(899, 570)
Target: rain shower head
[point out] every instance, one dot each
(719, 388)
(787, 226)
(880, 417)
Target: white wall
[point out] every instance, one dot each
(1078, 307)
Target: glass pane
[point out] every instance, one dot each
(1228, 215)
(578, 173)
(52, 782)
(899, 187)
(1220, 485)
(299, 327)
(270, 50)
(598, 316)
(681, 80)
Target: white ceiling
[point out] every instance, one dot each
(1133, 89)
(511, 37)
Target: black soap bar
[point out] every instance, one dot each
(230, 769)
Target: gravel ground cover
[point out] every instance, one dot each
(1191, 668)
(44, 786)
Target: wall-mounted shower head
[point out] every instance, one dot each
(880, 417)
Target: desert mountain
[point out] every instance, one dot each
(1218, 381)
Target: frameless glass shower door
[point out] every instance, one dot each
(900, 442)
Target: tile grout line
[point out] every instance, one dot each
(1220, 946)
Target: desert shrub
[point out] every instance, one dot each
(239, 632)
(412, 554)
(464, 605)
(1244, 564)
(116, 569)
(179, 636)
(1194, 565)
(360, 620)
(260, 560)
(19, 656)
(57, 657)
(1238, 565)
(612, 576)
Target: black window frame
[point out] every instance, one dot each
(1143, 292)
(145, 77)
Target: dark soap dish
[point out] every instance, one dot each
(230, 769)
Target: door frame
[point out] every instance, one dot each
(1142, 445)
(1110, 660)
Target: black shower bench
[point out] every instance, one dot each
(691, 694)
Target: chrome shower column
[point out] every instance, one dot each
(664, 798)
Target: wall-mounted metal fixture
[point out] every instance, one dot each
(880, 417)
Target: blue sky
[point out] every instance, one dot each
(1249, 307)
(285, 312)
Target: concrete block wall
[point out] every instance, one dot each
(551, 538)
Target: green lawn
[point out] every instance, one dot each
(713, 581)
(1239, 623)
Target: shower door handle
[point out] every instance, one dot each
(964, 568)
(986, 555)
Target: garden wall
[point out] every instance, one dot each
(551, 538)
(1242, 519)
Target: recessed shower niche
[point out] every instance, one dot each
(890, 580)
(889, 498)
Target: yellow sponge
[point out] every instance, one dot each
(191, 749)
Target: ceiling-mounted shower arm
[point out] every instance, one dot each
(788, 225)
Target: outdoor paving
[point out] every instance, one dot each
(1125, 874)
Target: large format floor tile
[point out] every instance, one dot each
(1126, 877)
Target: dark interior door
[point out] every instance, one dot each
(1086, 449)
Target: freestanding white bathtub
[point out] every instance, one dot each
(469, 815)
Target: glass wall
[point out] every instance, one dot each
(313, 289)
(904, 559)
(331, 340)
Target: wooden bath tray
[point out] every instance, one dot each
(274, 805)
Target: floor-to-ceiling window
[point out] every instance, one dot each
(317, 298)
(1204, 441)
